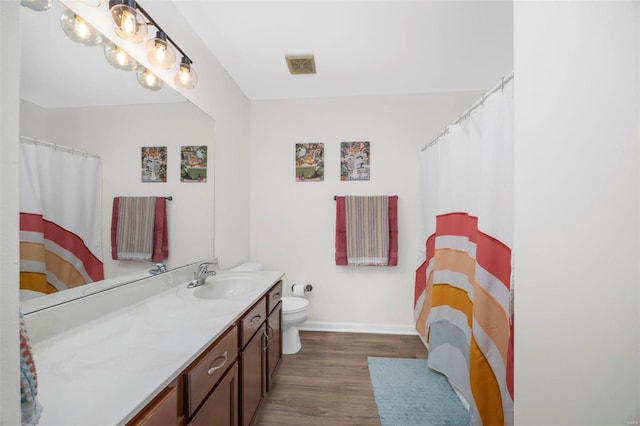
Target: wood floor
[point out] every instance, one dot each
(327, 383)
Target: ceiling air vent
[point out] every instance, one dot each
(301, 64)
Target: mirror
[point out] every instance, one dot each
(71, 96)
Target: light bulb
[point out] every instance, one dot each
(118, 58)
(82, 28)
(148, 80)
(186, 77)
(129, 23)
(79, 30)
(160, 52)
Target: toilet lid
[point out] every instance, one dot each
(294, 304)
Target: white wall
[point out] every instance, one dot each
(293, 223)
(576, 213)
(9, 116)
(218, 96)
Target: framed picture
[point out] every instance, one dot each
(154, 164)
(309, 162)
(193, 164)
(354, 161)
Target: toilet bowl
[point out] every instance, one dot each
(295, 311)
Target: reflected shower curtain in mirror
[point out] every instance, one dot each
(463, 298)
(60, 214)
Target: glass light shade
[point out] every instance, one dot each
(160, 52)
(118, 58)
(79, 30)
(148, 80)
(130, 24)
(37, 5)
(186, 77)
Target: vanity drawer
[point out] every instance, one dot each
(165, 409)
(205, 372)
(252, 320)
(274, 296)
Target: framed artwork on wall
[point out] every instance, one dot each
(154, 164)
(193, 164)
(354, 161)
(309, 162)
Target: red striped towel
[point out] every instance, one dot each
(139, 229)
(367, 231)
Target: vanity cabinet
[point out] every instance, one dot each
(226, 384)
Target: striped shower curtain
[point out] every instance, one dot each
(463, 290)
(60, 216)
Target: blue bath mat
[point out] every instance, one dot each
(408, 393)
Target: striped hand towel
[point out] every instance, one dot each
(132, 228)
(367, 229)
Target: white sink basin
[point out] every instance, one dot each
(227, 287)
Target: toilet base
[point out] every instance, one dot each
(290, 340)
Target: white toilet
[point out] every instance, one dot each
(295, 311)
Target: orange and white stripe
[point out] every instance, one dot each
(462, 309)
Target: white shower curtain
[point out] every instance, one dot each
(60, 215)
(463, 307)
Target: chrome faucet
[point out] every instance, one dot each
(202, 274)
(160, 269)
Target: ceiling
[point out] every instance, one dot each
(360, 47)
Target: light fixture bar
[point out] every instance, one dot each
(152, 22)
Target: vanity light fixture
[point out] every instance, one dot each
(129, 21)
(186, 77)
(118, 58)
(160, 52)
(79, 30)
(148, 79)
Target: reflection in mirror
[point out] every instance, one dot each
(72, 97)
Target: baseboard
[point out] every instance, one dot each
(355, 327)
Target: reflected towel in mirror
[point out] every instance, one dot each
(139, 229)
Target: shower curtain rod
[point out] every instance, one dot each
(35, 141)
(469, 110)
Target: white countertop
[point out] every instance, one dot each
(103, 372)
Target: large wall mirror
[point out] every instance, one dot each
(71, 96)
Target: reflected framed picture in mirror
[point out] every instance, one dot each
(309, 162)
(154, 164)
(193, 164)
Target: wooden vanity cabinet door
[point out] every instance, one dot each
(164, 410)
(221, 407)
(252, 376)
(274, 350)
(207, 370)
